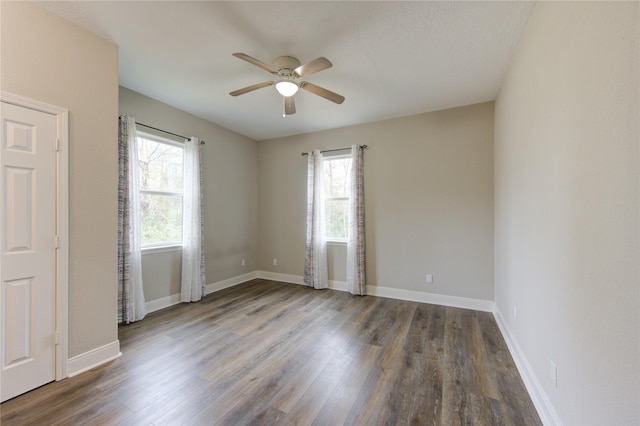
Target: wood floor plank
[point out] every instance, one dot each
(456, 406)
(270, 353)
(337, 408)
(181, 395)
(295, 385)
(306, 409)
(510, 386)
(276, 369)
(375, 403)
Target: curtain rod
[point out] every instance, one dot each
(337, 149)
(164, 131)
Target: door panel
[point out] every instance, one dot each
(18, 302)
(27, 249)
(19, 188)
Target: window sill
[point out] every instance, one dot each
(337, 242)
(160, 249)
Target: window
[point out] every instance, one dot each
(161, 185)
(336, 197)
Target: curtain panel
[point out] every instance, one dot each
(316, 273)
(356, 271)
(131, 303)
(193, 266)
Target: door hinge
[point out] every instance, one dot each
(56, 241)
(57, 144)
(57, 337)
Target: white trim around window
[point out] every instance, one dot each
(160, 249)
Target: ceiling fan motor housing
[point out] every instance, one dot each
(285, 65)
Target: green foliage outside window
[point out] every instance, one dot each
(336, 193)
(161, 189)
(160, 219)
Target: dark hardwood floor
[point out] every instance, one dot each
(266, 352)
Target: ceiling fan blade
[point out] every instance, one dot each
(314, 66)
(327, 94)
(251, 88)
(256, 62)
(289, 105)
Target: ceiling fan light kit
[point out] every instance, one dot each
(286, 88)
(290, 72)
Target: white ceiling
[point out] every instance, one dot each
(390, 58)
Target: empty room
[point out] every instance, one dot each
(320, 212)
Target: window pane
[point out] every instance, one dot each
(161, 219)
(336, 177)
(337, 218)
(160, 166)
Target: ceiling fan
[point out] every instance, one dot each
(290, 72)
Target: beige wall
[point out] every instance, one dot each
(567, 207)
(428, 201)
(230, 196)
(51, 60)
(161, 274)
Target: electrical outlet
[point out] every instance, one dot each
(429, 278)
(244, 262)
(554, 374)
(275, 262)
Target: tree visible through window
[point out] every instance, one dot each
(336, 197)
(161, 185)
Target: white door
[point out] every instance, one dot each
(28, 249)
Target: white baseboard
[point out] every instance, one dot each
(230, 282)
(285, 278)
(297, 279)
(391, 293)
(163, 302)
(338, 285)
(547, 413)
(394, 293)
(433, 298)
(174, 299)
(93, 358)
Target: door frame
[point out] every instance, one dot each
(62, 223)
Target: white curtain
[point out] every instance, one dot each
(316, 272)
(131, 304)
(193, 275)
(356, 277)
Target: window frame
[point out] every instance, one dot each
(336, 240)
(164, 246)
